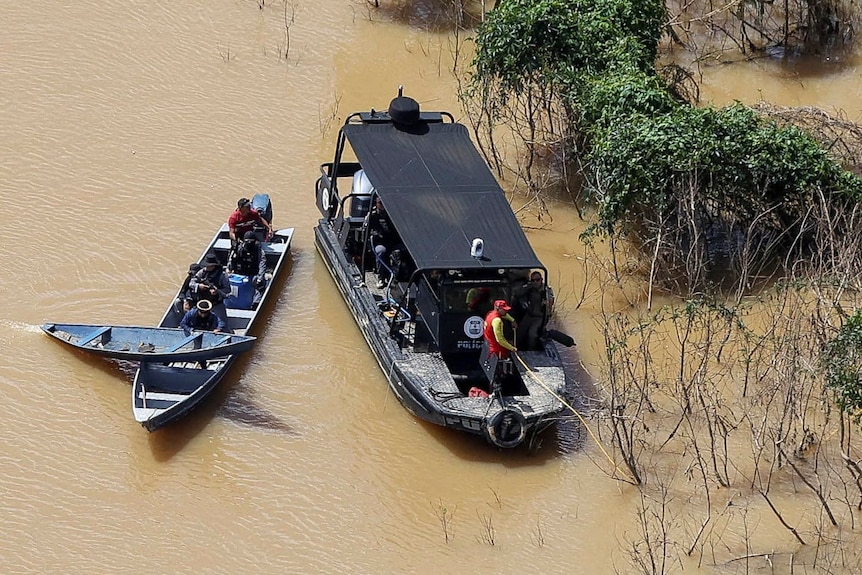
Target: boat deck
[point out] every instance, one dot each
(544, 381)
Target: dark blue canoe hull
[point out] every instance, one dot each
(139, 343)
(163, 393)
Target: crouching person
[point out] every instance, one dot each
(201, 318)
(211, 283)
(249, 260)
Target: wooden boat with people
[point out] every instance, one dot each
(459, 248)
(163, 392)
(142, 343)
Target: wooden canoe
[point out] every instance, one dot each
(163, 393)
(139, 343)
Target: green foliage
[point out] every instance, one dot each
(842, 360)
(743, 163)
(549, 41)
(593, 63)
(609, 99)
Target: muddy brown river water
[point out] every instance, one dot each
(127, 132)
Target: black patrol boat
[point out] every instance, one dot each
(457, 248)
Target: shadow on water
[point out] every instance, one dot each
(123, 370)
(570, 433)
(240, 407)
(233, 402)
(236, 404)
(471, 447)
(166, 442)
(439, 16)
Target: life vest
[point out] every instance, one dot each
(184, 290)
(245, 260)
(494, 346)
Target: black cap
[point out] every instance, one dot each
(211, 260)
(243, 202)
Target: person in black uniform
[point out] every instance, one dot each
(384, 239)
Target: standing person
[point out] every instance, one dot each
(536, 303)
(211, 284)
(479, 300)
(384, 238)
(497, 343)
(243, 220)
(201, 318)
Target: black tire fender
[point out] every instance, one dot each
(327, 202)
(498, 428)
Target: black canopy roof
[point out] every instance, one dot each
(440, 195)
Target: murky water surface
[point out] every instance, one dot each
(127, 132)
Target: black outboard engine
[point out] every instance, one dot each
(262, 205)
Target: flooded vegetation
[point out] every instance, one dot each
(716, 396)
(733, 234)
(715, 31)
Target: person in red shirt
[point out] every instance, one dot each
(243, 220)
(497, 342)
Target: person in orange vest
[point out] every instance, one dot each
(497, 342)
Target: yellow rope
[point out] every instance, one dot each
(580, 417)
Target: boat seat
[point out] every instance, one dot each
(99, 332)
(161, 396)
(224, 244)
(188, 340)
(223, 340)
(243, 313)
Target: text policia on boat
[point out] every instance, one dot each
(420, 240)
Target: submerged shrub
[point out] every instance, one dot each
(842, 361)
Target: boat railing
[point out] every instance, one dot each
(394, 311)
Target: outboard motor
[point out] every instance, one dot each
(262, 205)
(361, 190)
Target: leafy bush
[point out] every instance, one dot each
(745, 164)
(587, 68)
(550, 41)
(843, 364)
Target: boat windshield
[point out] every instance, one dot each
(476, 299)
